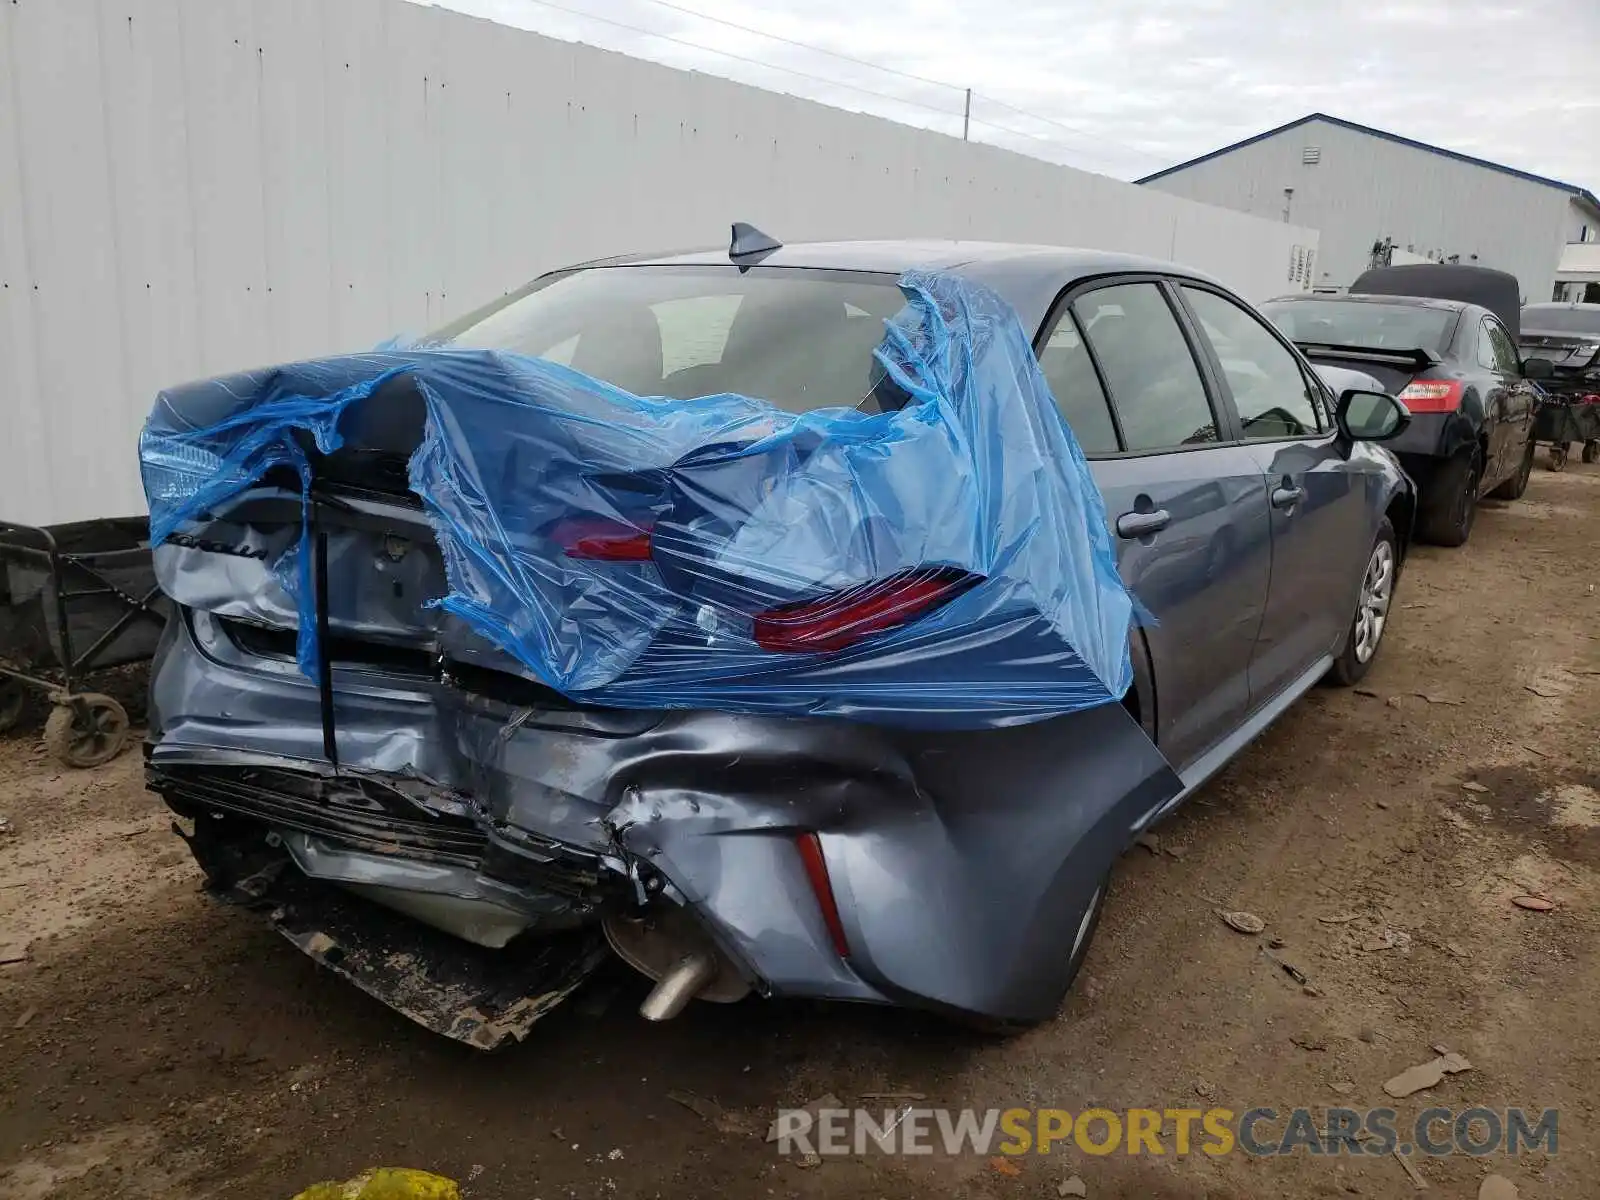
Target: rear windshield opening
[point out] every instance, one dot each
(1558, 318)
(801, 340)
(1367, 325)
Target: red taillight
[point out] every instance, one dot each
(810, 847)
(1432, 395)
(602, 540)
(842, 619)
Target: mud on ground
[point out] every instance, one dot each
(153, 1044)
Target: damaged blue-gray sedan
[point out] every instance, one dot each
(817, 621)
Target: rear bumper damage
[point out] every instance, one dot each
(468, 860)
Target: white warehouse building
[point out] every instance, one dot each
(1380, 198)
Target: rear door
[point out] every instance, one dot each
(1187, 506)
(1500, 425)
(1320, 526)
(1519, 401)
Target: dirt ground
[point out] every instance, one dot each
(154, 1044)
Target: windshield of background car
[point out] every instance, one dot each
(1558, 318)
(1364, 324)
(802, 340)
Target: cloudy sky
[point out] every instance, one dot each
(1129, 88)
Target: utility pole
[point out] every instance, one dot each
(966, 116)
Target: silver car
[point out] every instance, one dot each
(484, 841)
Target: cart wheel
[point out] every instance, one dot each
(86, 730)
(1558, 458)
(1591, 451)
(11, 700)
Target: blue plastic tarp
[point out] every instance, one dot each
(946, 563)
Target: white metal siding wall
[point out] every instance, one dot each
(1582, 223)
(194, 186)
(1367, 188)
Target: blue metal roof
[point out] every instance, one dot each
(1571, 189)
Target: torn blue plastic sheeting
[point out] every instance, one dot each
(946, 563)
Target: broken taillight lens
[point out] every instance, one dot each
(841, 619)
(602, 539)
(1432, 395)
(810, 847)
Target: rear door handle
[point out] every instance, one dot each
(1287, 497)
(1142, 524)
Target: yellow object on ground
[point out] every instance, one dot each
(386, 1183)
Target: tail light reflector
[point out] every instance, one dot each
(810, 846)
(601, 539)
(841, 619)
(1432, 395)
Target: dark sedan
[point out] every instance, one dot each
(1569, 336)
(1457, 369)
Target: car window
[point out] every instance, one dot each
(1070, 372)
(1271, 392)
(1505, 350)
(1365, 323)
(1486, 355)
(801, 341)
(1562, 318)
(1154, 383)
(694, 330)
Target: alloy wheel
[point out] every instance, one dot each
(1377, 590)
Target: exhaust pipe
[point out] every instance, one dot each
(672, 993)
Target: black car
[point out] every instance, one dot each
(1456, 366)
(1569, 336)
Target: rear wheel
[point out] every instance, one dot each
(1452, 500)
(1513, 488)
(1591, 451)
(1372, 610)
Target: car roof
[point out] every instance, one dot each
(1368, 298)
(1027, 276)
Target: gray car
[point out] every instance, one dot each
(484, 839)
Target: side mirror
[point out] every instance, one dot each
(1537, 368)
(1365, 416)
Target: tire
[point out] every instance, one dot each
(1368, 624)
(1513, 488)
(1558, 458)
(1591, 451)
(86, 730)
(1451, 504)
(1088, 922)
(12, 698)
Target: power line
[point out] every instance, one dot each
(923, 79)
(860, 62)
(830, 82)
(1032, 137)
(754, 62)
(1069, 128)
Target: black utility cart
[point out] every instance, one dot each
(75, 599)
